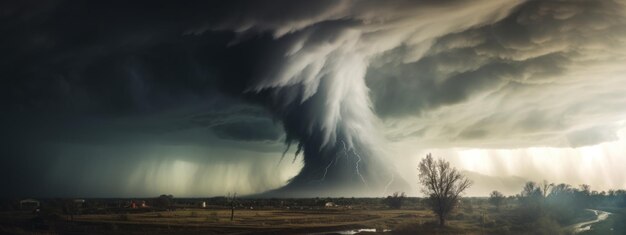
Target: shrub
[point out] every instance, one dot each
(395, 201)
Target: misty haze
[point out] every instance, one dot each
(313, 117)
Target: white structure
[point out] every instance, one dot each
(29, 204)
(330, 204)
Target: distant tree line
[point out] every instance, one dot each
(395, 201)
(543, 207)
(562, 202)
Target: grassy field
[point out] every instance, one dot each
(473, 217)
(268, 221)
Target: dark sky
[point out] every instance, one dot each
(120, 98)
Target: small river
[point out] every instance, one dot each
(353, 231)
(584, 226)
(579, 227)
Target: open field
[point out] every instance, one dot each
(271, 216)
(270, 221)
(216, 220)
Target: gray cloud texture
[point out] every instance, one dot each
(337, 75)
(315, 77)
(492, 74)
(549, 74)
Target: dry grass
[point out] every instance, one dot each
(477, 220)
(275, 219)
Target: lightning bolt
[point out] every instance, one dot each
(345, 151)
(357, 166)
(390, 181)
(326, 170)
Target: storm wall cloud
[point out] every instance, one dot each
(330, 83)
(547, 71)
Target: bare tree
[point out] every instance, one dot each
(585, 189)
(545, 188)
(496, 199)
(443, 184)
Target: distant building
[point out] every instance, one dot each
(79, 202)
(29, 204)
(330, 204)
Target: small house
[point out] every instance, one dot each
(29, 204)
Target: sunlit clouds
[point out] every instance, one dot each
(600, 166)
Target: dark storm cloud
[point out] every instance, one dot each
(244, 123)
(232, 72)
(119, 64)
(120, 74)
(314, 79)
(254, 130)
(85, 62)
